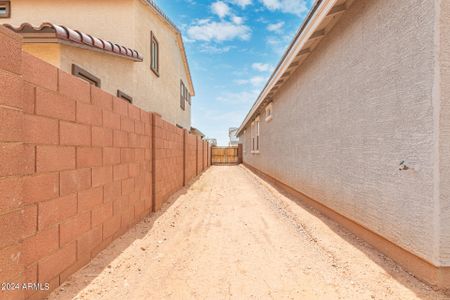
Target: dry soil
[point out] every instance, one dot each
(231, 235)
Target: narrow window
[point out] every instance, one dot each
(252, 134)
(154, 54)
(257, 135)
(269, 112)
(124, 96)
(85, 75)
(182, 95)
(5, 9)
(186, 94)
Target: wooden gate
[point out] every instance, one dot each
(226, 155)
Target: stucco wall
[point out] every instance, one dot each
(50, 53)
(114, 72)
(125, 22)
(165, 89)
(361, 104)
(443, 81)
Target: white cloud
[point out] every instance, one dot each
(212, 49)
(275, 27)
(202, 21)
(278, 45)
(220, 8)
(245, 97)
(218, 31)
(255, 81)
(297, 7)
(262, 67)
(242, 3)
(237, 20)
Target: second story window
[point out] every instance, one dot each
(5, 9)
(154, 54)
(183, 93)
(85, 75)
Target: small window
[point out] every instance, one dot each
(189, 98)
(269, 112)
(124, 96)
(182, 95)
(255, 136)
(5, 9)
(85, 75)
(154, 53)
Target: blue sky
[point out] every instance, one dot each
(233, 47)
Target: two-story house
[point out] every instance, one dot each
(128, 47)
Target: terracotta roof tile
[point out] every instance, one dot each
(78, 38)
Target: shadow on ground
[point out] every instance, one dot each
(390, 266)
(120, 244)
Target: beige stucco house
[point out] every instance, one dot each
(356, 120)
(129, 47)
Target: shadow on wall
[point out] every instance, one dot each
(355, 235)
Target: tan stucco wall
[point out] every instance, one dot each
(362, 103)
(51, 53)
(165, 90)
(443, 80)
(114, 71)
(125, 22)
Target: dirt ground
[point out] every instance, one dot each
(231, 235)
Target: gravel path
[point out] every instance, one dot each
(230, 235)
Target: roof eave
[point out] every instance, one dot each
(316, 16)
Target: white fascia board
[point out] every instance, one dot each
(297, 45)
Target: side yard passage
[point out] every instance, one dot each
(232, 235)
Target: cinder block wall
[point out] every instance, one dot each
(191, 157)
(169, 157)
(199, 155)
(78, 167)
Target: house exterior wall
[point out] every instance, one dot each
(165, 89)
(443, 83)
(359, 105)
(50, 53)
(125, 22)
(114, 72)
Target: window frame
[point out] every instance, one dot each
(255, 131)
(153, 40)
(252, 137)
(258, 131)
(124, 96)
(182, 95)
(269, 108)
(7, 5)
(79, 72)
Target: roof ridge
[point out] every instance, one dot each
(160, 11)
